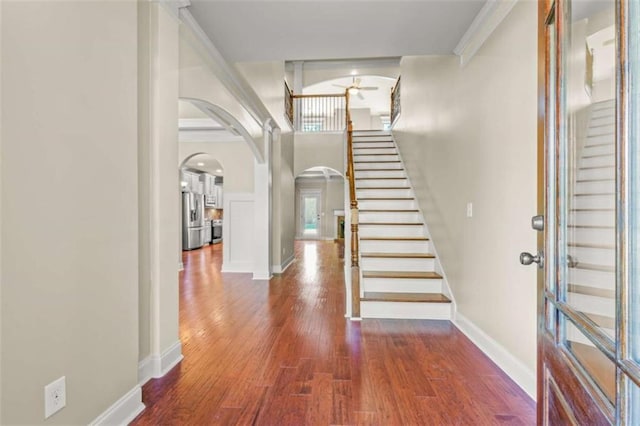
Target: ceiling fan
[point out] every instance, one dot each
(355, 89)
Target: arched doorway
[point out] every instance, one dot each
(319, 203)
(201, 194)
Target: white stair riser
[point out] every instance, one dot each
(365, 144)
(384, 193)
(607, 130)
(380, 174)
(376, 246)
(402, 285)
(395, 264)
(599, 149)
(371, 132)
(374, 150)
(375, 158)
(594, 256)
(592, 304)
(599, 140)
(377, 183)
(387, 204)
(392, 217)
(592, 218)
(596, 279)
(595, 187)
(366, 139)
(592, 236)
(602, 112)
(395, 166)
(398, 310)
(607, 160)
(594, 202)
(603, 173)
(602, 105)
(602, 120)
(397, 231)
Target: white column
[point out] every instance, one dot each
(298, 77)
(262, 209)
(159, 190)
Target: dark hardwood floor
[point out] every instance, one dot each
(282, 353)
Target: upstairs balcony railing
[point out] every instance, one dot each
(316, 113)
(395, 102)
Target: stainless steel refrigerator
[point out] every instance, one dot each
(192, 220)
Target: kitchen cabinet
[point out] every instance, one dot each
(219, 198)
(190, 182)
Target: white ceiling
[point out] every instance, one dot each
(266, 30)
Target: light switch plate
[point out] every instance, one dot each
(469, 209)
(55, 396)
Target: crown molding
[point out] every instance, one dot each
(173, 6)
(483, 25)
(229, 77)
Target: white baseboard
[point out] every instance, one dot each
(262, 276)
(154, 366)
(515, 369)
(239, 267)
(279, 269)
(123, 411)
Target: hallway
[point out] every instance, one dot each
(282, 353)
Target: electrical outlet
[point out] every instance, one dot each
(469, 209)
(55, 396)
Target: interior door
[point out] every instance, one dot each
(310, 211)
(588, 345)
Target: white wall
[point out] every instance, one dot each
(469, 135)
(318, 149)
(70, 261)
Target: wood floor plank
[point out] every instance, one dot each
(282, 353)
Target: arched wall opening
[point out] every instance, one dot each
(319, 204)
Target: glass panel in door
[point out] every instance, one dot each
(587, 170)
(310, 215)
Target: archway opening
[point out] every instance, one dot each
(201, 191)
(319, 204)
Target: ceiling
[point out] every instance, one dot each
(269, 30)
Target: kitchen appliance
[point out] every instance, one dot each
(192, 220)
(207, 231)
(216, 231)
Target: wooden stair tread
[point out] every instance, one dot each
(394, 239)
(377, 162)
(401, 274)
(400, 255)
(405, 297)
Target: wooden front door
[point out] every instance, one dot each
(589, 192)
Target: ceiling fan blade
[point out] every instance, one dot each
(368, 88)
(341, 86)
(359, 95)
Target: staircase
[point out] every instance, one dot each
(591, 232)
(399, 278)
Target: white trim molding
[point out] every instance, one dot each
(484, 24)
(155, 366)
(279, 269)
(513, 367)
(123, 411)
